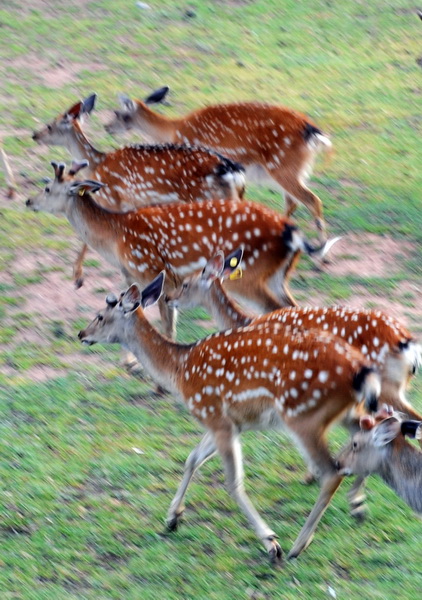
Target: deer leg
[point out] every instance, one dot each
(169, 318)
(315, 450)
(279, 282)
(328, 488)
(203, 451)
(394, 392)
(300, 193)
(291, 205)
(229, 447)
(78, 272)
(356, 497)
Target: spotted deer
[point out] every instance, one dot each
(380, 337)
(274, 143)
(180, 239)
(256, 377)
(380, 448)
(139, 175)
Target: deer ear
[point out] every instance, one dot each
(80, 188)
(131, 299)
(127, 104)
(232, 263)
(213, 269)
(88, 104)
(75, 111)
(58, 169)
(386, 432)
(412, 429)
(153, 291)
(157, 96)
(77, 165)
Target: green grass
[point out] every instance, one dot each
(90, 458)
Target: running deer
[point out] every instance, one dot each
(256, 377)
(383, 339)
(380, 337)
(273, 142)
(180, 239)
(380, 447)
(139, 175)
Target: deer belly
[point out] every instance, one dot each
(256, 173)
(268, 419)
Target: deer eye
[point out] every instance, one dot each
(355, 445)
(47, 190)
(126, 117)
(100, 318)
(49, 128)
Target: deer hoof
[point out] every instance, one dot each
(276, 554)
(309, 478)
(359, 514)
(79, 281)
(172, 524)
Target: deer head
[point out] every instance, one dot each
(131, 110)
(369, 447)
(56, 132)
(109, 324)
(57, 191)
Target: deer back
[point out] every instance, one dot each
(140, 175)
(181, 239)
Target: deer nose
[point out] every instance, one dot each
(28, 202)
(80, 334)
(337, 465)
(35, 136)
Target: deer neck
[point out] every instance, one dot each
(94, 226)
(162, 358)
(223, 309)
(401, 470)
(81, 149)
(158, 127)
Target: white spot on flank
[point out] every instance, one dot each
(323, 376)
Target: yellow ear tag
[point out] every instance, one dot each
(81, 192)
(233, 261)
(236, 274)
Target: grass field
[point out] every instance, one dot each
(89, 457)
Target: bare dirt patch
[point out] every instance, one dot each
(368, 255)
(55, 73)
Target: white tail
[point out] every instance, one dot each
(272, 142)
(136, 176)
(255, 377)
